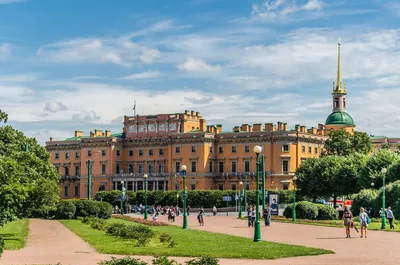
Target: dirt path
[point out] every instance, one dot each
(49, 242)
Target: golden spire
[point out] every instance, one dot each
(339, 83)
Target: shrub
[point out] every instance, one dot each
(140, 220)
(65, 210)
(1, 244)
(98, 224)
(392, 196)
(365, 198)
(123, 261)
(326, 212)
(105, 210)
(45, 212)
(172, 244)
(92, 209)
(164, 237)
(306, 210)
(116, 229)
(288, 212)
(203, 261)
(163, 261)
(142, 234)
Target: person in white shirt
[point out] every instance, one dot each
(390, 216)
(363, 222)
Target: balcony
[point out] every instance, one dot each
(140, 175)
(66, 177)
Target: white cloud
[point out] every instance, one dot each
(5, 50)
(198, 66)
(144, 75)
(88, 116)
(55, 106)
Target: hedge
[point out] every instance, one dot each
(196, 198)
(365, 198)
(326, 212)
(1, 244)
(308, 210)
(65, 210)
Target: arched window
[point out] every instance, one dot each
(336, 104)
(344, 102)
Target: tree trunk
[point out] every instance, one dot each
(334, 201)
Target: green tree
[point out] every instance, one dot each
(3, 116)
(385, 146)
(343, 143)
(346, 179)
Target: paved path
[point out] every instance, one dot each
(49, 242)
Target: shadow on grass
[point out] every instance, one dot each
(10, 237)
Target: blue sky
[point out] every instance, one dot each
(69, 65)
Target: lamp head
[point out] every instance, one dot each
(257, 149)
(241, 183)
(372, 184)
(145, 176)
(384, 170)
(183, 167)
(122, 182)
(294, 177)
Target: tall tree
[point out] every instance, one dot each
(343, 143)
(3, 116)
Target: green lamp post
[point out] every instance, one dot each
(262, 168)
(244, 194)
(383, 199)
(145, 176)
(183, 174)
(122, 197)
(257, 227)
(89, 185)
(240, 198)
(294, 199)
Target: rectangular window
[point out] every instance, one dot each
(247, 186)
(221, 167)
(177, 186)
(285, 148)
(118, 153)
(141, 168)
(66, 171)
(193, 166)
(211, 149)
(193, 186)
(151, 168)
(77, 155)
(210, 166)
(303, 149)
(130, 168)
(233, 166)
(57, 169)
(103, 169)
(221, 186)
(247, 148)
(140, 152)
(103, 152)
(161, 168)
(117, 169)
(151, 152)
(285, 186)
(130, 152)
(233, 186)
(66, 155)
(285, 166)
(177, 166)
(233, 149)
(316, 150)
(56, 155)
(177, 149)
(77, 170)
(66, 191)
(76, 190)
(161, 151)
(220, 150)
(194, 149)
(309, 150)
(246, 166)
(89, 153)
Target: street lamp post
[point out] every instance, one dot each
(183, 174)
(263, 181)
(145, 176)
(122, 197)
(383, 199)
(244, 194)
(257, 226)
(240, 199)
(294, 199)
(89, 188)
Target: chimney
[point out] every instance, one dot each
(279, 126)
(78, 133)
(51, 139)
(320, 126)
(285, 127)
(236, 129)
(198, 114)
(208, 128)
(108, 133)
(91, 134)
(98, 133)
(268, 127)
(250, 128)
(244, 128)
(303, 129)
(273, 128)
(257, 127)
(313, 130)
(202, 123)
(297, 127)
(192, 113)
(187, 112)
(219, 128)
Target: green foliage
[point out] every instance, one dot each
(164, 237)
(203, 261)
(392, 198)
(3, 116)
(1, 244)
(159, 260)
(393, 172)
(65, 210)
(365, 198)
(172, 244)
(98, 224)
(143, 234)
(164, 261)
(306, 210)
(92, 209)
(123, 261)
(288, 212)
(45, 212)
(326, 212)
(343, 143)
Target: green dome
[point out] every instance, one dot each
(339, 118)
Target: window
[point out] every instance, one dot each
(285, 148)
(161, 168)
(303, 149)
(177, 149)
(194, 149)
(76, 190)
(89, 153)
(130, 168)
(221, 167)
(309, 150)
(193, 166)
(247, 148)
(161, 152)
(141, 168)
(177, 166)
(211, 149)
(140, 152)
(57, 169)
(56, 155)
(210, 166)
(77, 170)
(103, 152)
(151, 168)
(285, 166)
(151, 152)
(233, 149)
(102, 186)
(336, 103)
(247, 186)
(66, 171)
(233, 186)
(177, 186)
(66, 191)
(103, 169)
(246, 166)
(285, 186)
(344, 103)
(77, 155)
(233, 166)
(118, 168)
(221, 186)
(118, 153)
(66, 155)
(130, 152)
(316, 150)
(193, 186)
(220, 150)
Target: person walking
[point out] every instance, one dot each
(347, 220)
(188, 210)
(214, 210)
(249, 217)
(364, 221)
(267, 215)
(200, 217)
(253, 216)
(390, 216)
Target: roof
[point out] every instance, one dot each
(339, 118)
(77, 138)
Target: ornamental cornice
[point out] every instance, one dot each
(190, 140)
(95, 144)
(63, 147)
(145, 144)
(244, 140)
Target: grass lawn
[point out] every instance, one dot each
(14, 234)
(190, 243)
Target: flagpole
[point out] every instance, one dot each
(134, 108)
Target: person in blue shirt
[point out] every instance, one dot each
(390, 217)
